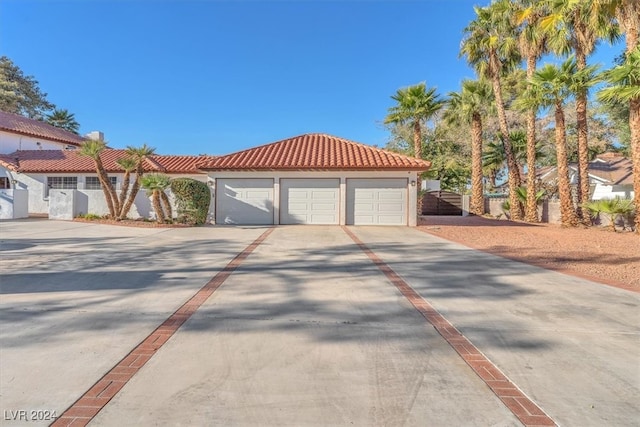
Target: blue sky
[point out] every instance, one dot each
(194, 77)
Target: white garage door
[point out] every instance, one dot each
(244, 201)
(310, 201)
(377, 201)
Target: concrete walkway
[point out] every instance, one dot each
(306, 330)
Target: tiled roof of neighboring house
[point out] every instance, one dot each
(70, 161)
(610, 168)
(315, 152)
(35, 128)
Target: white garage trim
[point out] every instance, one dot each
(309, 201)
(373, 201)
(246, 201)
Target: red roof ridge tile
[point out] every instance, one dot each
(314, 151)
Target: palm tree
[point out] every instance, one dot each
(129, 165)
(469, 105)
(493, 161)
(63, 119)
(138, 154)
(93, 148)
(494, 158)
(415, 106)
(156, 184)
(626, 13)
(625, 80)
(491, 48)
(550, 87)
(532, 44)
(577, 27)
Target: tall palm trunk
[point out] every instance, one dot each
(634, 124)
(634, 111)
(477, 193)
(167, 205)
(126, 181)
(583, 144)
(157, 206)
(134, 192)
(512, 165)
(110, 195)
(417, 140)
(417, 152)
(567, 211)
(531, 209)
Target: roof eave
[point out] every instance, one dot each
(35, 135)
(312, 169)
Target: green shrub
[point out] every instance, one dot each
(192, 200)
(90, 216)
(613, 209)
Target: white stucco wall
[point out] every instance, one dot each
(14, 204)
(88, 201)
(607, 192)
(10, 142)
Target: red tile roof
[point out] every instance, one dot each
(35, 128)
(315, 152)
(70, 161)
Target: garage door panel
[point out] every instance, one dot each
(389, 195)
(309, 201)
(323, 195)
(323, 206)
(377, 201)
(393, 208)
(244, 201)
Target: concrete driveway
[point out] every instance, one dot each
(306, 330)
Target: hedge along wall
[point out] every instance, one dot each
(192, 200)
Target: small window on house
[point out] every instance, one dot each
(93, 182)
(61, 183)
(4, 183)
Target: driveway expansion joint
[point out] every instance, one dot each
(83, 410)
(527, 411)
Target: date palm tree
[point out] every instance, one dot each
(138, 154)
(474, 100)
(63, 119)
(490, 46)
(532, 44)
(550, 87)
(93, 148)
(625, 87)
(156, 184)
(577, 27)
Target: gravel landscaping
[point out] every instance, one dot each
(594, 253)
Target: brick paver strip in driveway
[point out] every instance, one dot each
(307, 331)
(522, 407)
(92, 402)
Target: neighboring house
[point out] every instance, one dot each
(610, 176)
(21, 133)
(315, 179)
(40, 171)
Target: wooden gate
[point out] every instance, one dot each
(441, 203)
